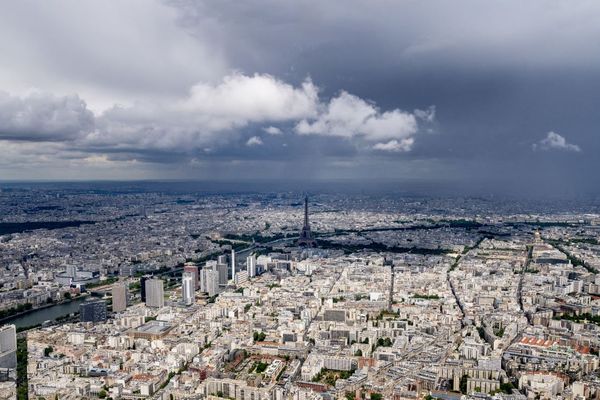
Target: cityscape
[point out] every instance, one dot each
(299, 200)
(131, 292)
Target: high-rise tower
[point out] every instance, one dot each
(155, 293)
(120, 294)
(233, 264)
(306, 239)
(187, 287)
(193, 269)
(251, 265)
(143, 280)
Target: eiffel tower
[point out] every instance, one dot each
(306, 239)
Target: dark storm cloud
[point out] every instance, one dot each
(43, 117)
(280, 36)
(501, 75)
(488, 59)
(203, 84)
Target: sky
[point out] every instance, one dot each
(501, 94)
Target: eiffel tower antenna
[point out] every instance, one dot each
(306, 239)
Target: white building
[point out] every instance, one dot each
(187, 288)
(233, 264)
(241, 277)
(209, 279)
(210, 265)
(543, 385)
(251, 266)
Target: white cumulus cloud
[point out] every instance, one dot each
(254, 141)
(211, 115)
(253, 98)
(395, 146)
(554, 141)
(272, 130)
(349, 116)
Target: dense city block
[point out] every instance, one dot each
(135, 293)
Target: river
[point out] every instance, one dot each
(37, 317)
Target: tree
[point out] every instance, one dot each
(22, 387)
(506, 387)
(102, 394)
(463, 384)
(261, 367)
(47, 351)
(330, 380)
(358, 353)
